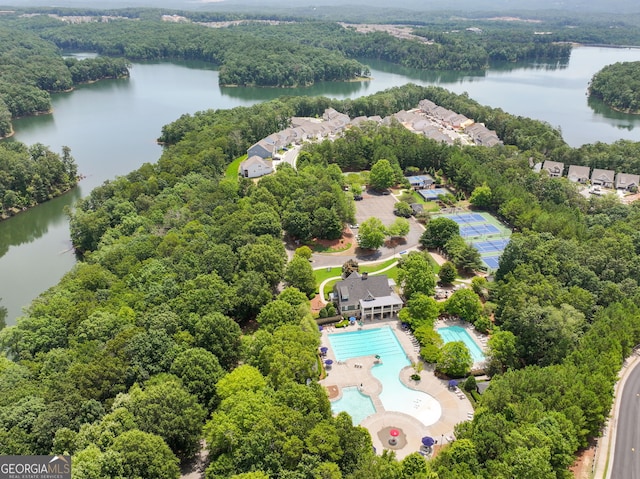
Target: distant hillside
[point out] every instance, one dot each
(296, 6)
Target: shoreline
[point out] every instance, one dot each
(17, 211)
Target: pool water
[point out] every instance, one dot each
(458, 333)
(358, 405)
(394, 396)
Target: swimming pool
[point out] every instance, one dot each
(394, 396)
(358, 405)
(458, 333)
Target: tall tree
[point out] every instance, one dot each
(416, 275)
(438, 231)
(382, 175)
(299, 274)
(372, 233)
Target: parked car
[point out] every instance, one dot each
(354, 226)
(357, 197)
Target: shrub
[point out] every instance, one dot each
(469, 384)
(483, 324)
(430, 353)
(415, 377)
(342, 324)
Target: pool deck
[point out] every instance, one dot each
(455, 406)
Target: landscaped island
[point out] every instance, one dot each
(618, 86)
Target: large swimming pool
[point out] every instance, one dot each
(394, 396)
(458, 333)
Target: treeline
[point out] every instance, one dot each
(145, 333)
(31, 67)
(618, 85)
(32, 175)
(247, 56)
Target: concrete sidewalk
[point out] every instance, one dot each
(356, 372)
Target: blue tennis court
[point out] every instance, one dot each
(433, 194)
(465, 218)
(420, 180)
(467, 231)
(493, 262)
(489, 246)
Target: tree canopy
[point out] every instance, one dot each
(174, 267)
(618, 86)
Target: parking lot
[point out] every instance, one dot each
(381, 206)
(376, 204)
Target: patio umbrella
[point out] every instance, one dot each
(324, 350)
(453, 383)
(320, 328)
(428, 441)
(328, 362)
(394, 433)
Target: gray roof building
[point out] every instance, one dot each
(554, 168)
(366, 296)
(578, 174)
(625, 181)
(602, 177)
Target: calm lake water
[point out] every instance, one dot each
(111, 127)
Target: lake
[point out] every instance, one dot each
(111, 128)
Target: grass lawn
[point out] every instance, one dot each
(326, 273)
(322, 274)
(372, 268)
(391, 273)
(232, 169)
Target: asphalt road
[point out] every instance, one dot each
(626, 459)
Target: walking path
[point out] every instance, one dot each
(333, 278)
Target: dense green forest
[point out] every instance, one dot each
(31, 67)
(618, 85)
(141, 343)
(287, 51)
(32, 175)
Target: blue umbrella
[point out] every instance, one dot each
(323, 350)
(328, 362)
(428, 441)
(453, 383)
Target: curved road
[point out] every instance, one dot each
(626, 459)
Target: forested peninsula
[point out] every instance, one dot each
(31, 68)
(145, 347)
(618, 86)
(276, 53)
(30, 175)
(259, 49)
